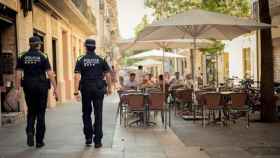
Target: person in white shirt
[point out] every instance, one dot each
(140, 74)
(131, 83)
(177, 81)
(189, 81)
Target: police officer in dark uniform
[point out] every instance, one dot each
(90, 72)
(33, 68)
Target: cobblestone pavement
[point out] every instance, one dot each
(64, 138)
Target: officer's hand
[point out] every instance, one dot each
(109, 91)
(55, 94)
(17, 94)
(78, 97)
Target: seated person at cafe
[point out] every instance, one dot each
(147, 83)
(189, 81)
(177, 82)
(159, 83)
(167, 77)
(151, 79)
(200, 80)
(139, 74)
(131, 83)
(160, 80)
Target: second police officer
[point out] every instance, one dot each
(31, 70)
(90, 71)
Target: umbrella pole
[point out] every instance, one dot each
(163, 89)
(193, 62)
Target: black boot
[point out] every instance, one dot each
(98, 145)
(30, 140)
(40, 145)
(88, 142)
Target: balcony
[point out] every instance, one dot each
(85, 10)
(78, 13)
(274, 7)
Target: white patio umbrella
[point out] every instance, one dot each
(148, 63)
(130, 67)
(199, 24)
(132, 44)
(155, 54)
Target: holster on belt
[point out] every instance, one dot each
(41, 81)
(98, 86)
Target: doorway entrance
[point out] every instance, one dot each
(54, 48)
(8, 52)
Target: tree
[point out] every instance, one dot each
(165, 8)
(268, 112)
(144, 22)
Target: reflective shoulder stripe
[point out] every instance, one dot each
(80, 57)
(21, 54)
(44, 54)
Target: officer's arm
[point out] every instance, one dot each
(51, 76)
(18, 79)
(108, 80)
(77, 78)
(50, 73)
(19, 68)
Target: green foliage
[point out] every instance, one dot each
(144, 22)
(215, 48)
(166, 8)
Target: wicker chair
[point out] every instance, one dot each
(183, 97)
(212, 103)
(123, 102)
(239, 103)
(198, 105)
(156, 103)
(135, 104)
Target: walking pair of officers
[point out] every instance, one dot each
(35, 76)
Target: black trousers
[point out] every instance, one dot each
(36, 95)
(92, 99)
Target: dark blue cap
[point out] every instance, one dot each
(35, 40)
(90, 43)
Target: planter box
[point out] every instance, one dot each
(12, 118)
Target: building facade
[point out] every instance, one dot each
(62, 25)
(107, 29)
(275, 15)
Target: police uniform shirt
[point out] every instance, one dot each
(34, 64)
(91, 67)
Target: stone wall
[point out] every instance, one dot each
(276, 58)
(276, 40)
(13, 4)
(67, 50)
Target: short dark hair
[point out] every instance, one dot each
(140, 67)
(132, 74)
(160, 77)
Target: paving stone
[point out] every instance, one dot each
(64, 138)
